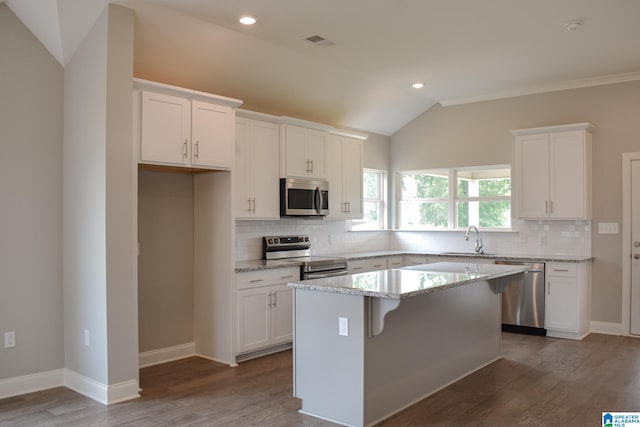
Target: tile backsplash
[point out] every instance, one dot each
(335, 237)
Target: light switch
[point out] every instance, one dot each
(343, 326)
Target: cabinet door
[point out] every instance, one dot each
(281, 314)
(337, 207)
(316, 153)
(533, 176)
(297, 162)
(212, 132)
(264, 169)
(242, 197)
(352, 176)
(165, 129)
(561, 304)
(253, 318)
(567, 175)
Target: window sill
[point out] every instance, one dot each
(457, 230)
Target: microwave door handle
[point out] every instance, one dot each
(318, 200)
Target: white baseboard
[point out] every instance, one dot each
(105, 394)
(31, 383)
(168, 354)
(607, 328)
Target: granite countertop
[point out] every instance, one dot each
(259, 264)
(408, 281)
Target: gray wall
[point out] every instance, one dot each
(165, 272)
(376, 152)
(31, 90)
(478, 134)
(99, 215)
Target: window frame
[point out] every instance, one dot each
(453, 199)
(360, 224)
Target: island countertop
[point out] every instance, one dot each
(409, 281)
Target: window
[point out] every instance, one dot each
(373, 194)
(456, 198)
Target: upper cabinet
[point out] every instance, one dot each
(256, 170)
(553, 170)
(344, 173)
(181, 127)
(303, 152)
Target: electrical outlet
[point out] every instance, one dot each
(87, 338)
(10, 339)
(523, 237)
(343, 326)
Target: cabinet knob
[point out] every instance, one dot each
(636, 256)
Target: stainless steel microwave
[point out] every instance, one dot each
(304, 197)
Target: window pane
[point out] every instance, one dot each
(495, 187)
(371, 184)
(484, 214)
(425, 186)
(424, 214)
(371, 213)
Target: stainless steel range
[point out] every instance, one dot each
(298, 248)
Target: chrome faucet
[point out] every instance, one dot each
(479, 246)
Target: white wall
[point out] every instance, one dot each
(478, 134)
(99, 215)
(31, 90)
(165, 277)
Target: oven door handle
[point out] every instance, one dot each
(319, 275)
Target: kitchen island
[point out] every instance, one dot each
(369, 345)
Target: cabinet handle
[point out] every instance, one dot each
(249, 201)
(275, 299)
(548, 288)
(311, 166)
(377, 265)
(357, 268)
(197, 149)
(287, 277)
(551, 206)
(184, 148)
(256, 281)
(563, 271)
(308, 166)
(254, 205)
(269, 303)
(348, 207)
(546, 206)
(344, 207)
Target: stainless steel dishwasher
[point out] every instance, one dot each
(523, 300)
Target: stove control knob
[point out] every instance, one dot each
(270, 241)
(276, 241)
(306, 239)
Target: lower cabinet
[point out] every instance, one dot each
(567, 299)
(265, 308)
(367, 264)
(395, 261)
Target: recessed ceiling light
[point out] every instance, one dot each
(417, 85)
(247, 20)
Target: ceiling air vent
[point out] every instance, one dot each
(319, 41)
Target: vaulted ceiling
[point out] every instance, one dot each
(461, 50)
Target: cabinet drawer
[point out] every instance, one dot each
(364, 265)
(255, 279)
(564, 270)
(395, 261)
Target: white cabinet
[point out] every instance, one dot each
(567, 300)
(303, 152)
(344, 173)
(180, 127)
(265, 308)
(256, 171)
(553, 170)
(395, 261)
(367, 264)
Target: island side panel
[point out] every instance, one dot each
(428, 342)
(329, 368)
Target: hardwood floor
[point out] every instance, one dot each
(539, 381)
